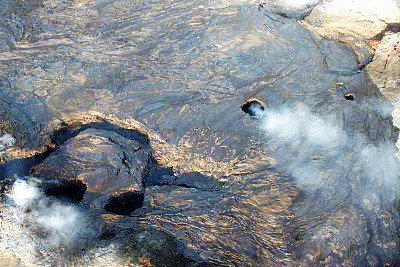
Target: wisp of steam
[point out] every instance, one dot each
(52, 230)
(61, 221)
(23, 193)
(319, 154)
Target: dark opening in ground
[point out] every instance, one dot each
(72, 190)
(253, 107)
(349, 97)
(125, 203)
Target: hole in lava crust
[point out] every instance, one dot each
(125, 203)
(349, 97)
(69, 189)
(251, 105)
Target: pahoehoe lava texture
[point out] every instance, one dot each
(134, 114)
(111, 168)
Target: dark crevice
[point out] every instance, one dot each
(164, 176)
(72, 190)
(125, 162)
(283, 15)
(346, 72)
(66, 132)
(112, 140)
(158, 174)
(125, 203)
(349, 97)
(185, 185)
(107, 234)
(361, 66)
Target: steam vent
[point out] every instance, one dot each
(199, 133)
(253, 107)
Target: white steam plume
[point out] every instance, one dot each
(299, 123)
(41, 229)
(319, 154)
(61, 220)
(23, 193)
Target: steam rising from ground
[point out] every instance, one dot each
(60, 221)
(35, 228)
(24, 193)
(299, 124)
(319, 154)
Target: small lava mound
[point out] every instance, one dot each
(97, 164)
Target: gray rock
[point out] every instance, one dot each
(340, 58)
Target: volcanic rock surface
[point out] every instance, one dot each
(144, 100)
